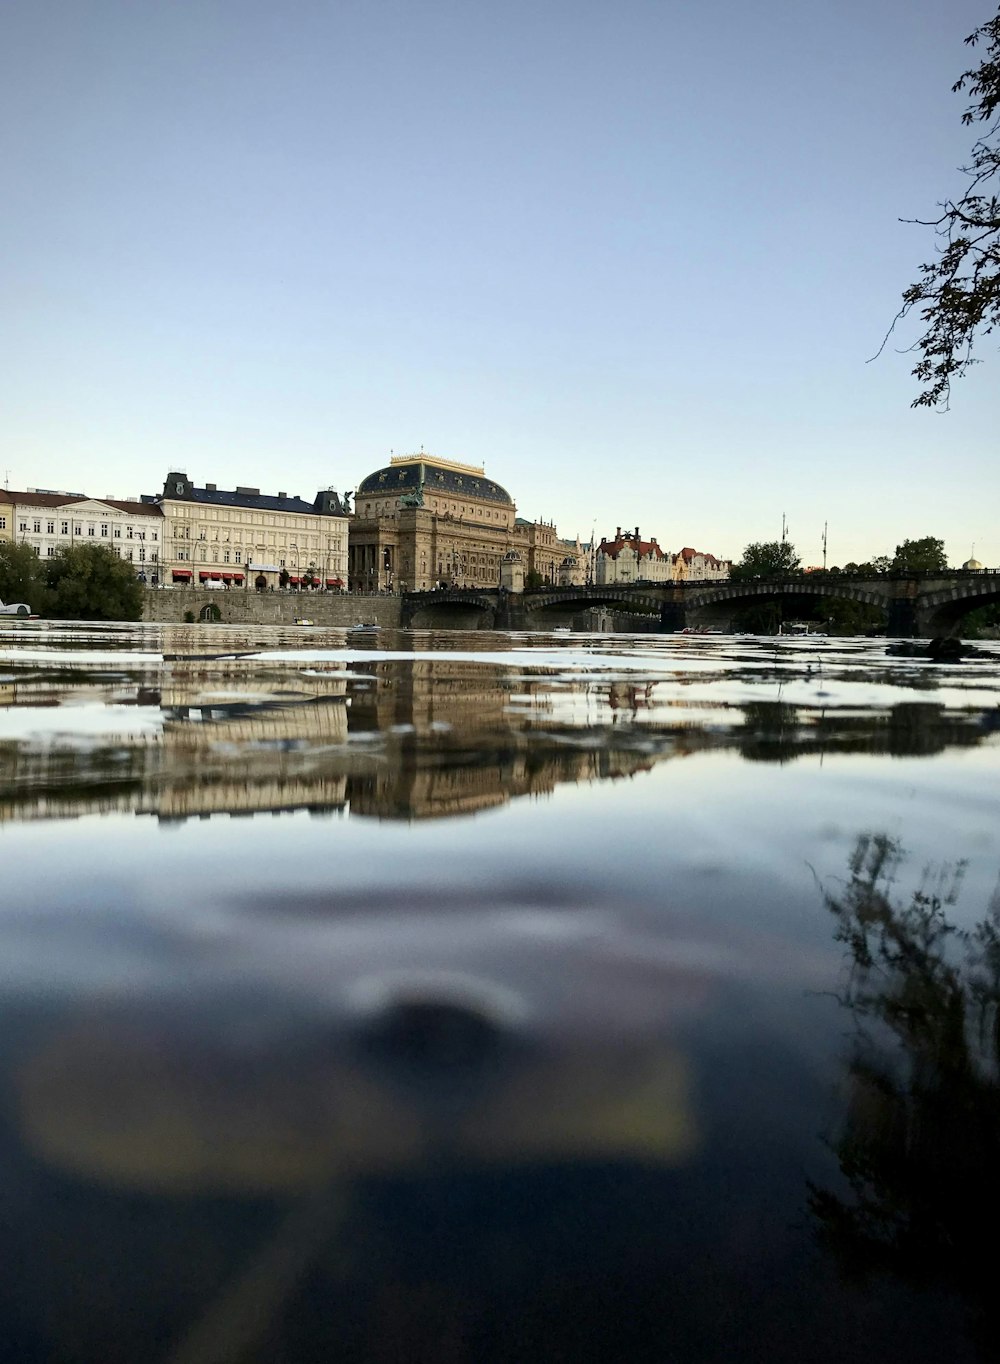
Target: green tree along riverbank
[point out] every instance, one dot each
(79, 582)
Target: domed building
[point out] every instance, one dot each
(972, 566)
(423, 522)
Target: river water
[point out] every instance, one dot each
(480, 997)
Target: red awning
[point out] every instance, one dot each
(181, 572)
(237, 577)
(335, 582)
(294, 580)
(204, 577)
(227, 577)
(216, 577)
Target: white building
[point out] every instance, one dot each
(50, 521)
(244, 537)
(693, 565)
(629, 559)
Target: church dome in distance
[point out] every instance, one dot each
(972, 566)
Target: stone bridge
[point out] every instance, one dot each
(925, 604)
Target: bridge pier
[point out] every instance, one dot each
(902, 622)
(509, 613)
(673, 617)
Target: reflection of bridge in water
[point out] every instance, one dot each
(919, 604)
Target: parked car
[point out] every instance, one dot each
(17, 608)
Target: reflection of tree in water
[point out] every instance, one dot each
(776, 731)
(921, 1142)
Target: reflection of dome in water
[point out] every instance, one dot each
(972, 565)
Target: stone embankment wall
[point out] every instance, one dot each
(168, 606)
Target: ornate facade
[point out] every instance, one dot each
(696, 566)
(424, 522)
(242, 538)
(629, 559)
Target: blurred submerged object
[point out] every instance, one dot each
(110, 1100)
(369, 1044)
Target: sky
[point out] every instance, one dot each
(630, 256)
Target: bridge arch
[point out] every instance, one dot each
(745, 593)
(942, 611)
(581, 599)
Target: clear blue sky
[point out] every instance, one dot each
(632, 256)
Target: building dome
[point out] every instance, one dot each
(426, 474)
(972, 566)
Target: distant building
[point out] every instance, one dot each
(50, 521)
(424, 522)
(692, 565)
(230, 539)
(627, 558)
(574, 569)
(541, 549)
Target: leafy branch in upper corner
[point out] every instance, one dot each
(958, 293)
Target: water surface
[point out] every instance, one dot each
(488, 997)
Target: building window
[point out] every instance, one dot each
(239, 557)
(142, 555)
(118, 532)
(154, 534)
(64, 527)
(91, 530)
(128, 533)
(51, 551)
(104, 529)
(38, 527)
(50, 527)
(3, 523)
(77, 528)
(225, 557)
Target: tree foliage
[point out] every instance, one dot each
(21, 575)
(957, 296)
(920, 1187)
(766, 559)
(90, 582)
(920, 556)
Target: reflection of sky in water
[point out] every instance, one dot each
(77, 723)
(615, 851)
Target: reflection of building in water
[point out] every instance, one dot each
(436, 785)
(424, 738)
(215, 751)
(456, 746)
(417, 738)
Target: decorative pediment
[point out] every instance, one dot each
(94, 507)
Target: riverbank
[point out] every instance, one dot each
(172, 606)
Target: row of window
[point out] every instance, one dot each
(481, 513)
(50, 529)
(313, 542)
(246, 518)
(130, 555)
